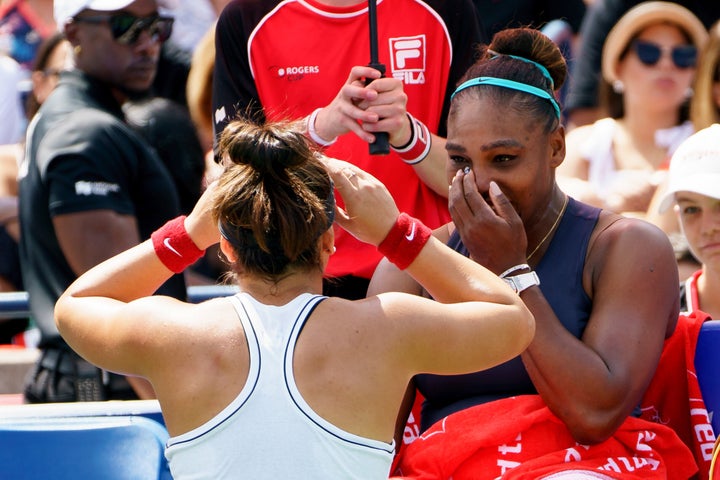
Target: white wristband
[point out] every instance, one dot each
(510, 270)
(312, 133)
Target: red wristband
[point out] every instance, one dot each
(418, 148)
(406, 239)
(174, 247)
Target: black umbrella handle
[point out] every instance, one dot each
(381, 145)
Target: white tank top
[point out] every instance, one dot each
(268, 431)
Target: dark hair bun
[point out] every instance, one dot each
(532, 44)
(269, 148)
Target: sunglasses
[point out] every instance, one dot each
(649, 53)
(126, 29)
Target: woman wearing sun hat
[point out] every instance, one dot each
(648, 67)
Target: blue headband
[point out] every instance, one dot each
(540, 67)
(511, 84)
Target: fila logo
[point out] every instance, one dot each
(407, 56)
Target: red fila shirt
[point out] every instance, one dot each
(294, 56)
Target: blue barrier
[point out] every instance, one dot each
(707, 360)
(111, 448)
(111, 408)
(16, 304)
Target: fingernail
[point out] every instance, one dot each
(494, 189)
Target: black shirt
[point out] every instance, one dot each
(81, 156)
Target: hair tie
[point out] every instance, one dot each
(512, 85)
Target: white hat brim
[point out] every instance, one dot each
(707, 184)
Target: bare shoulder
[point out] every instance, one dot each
(626, 249)
(615, 230)
(381, 315)
(172, 324)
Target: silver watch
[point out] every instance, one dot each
(523, 281)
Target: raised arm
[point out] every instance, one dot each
(104, 316)
(485, 324)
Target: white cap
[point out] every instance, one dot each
(64, 10)
(695, 167)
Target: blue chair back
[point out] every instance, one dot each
(707, 366)
(108, 448)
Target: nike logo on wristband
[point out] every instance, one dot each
(411, 236)
(166, 242)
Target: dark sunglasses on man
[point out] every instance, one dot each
(126, 28)
(649, 53)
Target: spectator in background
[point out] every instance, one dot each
(705, 104)
(582, 100)
(90, 187)
(24, 24)
(294, 60)
(193, 18)
(649, 63)
(199, 96)
(49, 62)
(11, 110)
(704, 111)
(693, 193)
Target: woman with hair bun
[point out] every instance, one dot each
(279, 381)
(602, 288)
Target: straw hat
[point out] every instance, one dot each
(644, 15)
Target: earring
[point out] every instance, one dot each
(618, 86)
(689, 92)
(77, 49)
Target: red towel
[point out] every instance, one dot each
(519, 438)
(674, 398)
